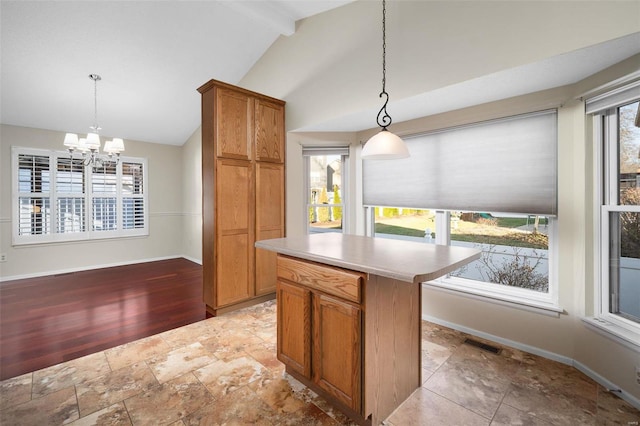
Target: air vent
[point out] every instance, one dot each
(483, 346)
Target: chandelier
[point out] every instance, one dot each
(89, 147)
(384, 145)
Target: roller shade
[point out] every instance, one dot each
(507, 165)
(620, 96)
(325, 150)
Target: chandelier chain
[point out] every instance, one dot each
(384, 119)
(95, 78)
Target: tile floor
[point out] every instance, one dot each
(224, 371)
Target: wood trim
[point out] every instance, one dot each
(211, 84)
(339, 282)
(392, 353)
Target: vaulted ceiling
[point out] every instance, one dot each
(153, 55)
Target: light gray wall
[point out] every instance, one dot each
(165, 213)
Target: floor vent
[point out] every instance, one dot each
(483, 346)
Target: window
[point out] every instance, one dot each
(515, 262)
(326, 178)
(489, 185)
(57, 198)
(617, 140)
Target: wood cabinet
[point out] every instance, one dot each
(349, 316)
(320, 328)
(243, 139)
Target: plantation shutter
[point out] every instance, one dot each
(34, 186)
(507, 165)
(70, 191)
(133, 208)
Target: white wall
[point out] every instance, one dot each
(165, 213)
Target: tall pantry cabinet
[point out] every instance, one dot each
(243, 151)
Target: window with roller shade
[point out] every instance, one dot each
(57, 198)
(490, 185)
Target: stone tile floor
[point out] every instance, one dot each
(223, 371)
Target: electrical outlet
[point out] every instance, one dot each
(3, 257)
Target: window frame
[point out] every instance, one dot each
(52, 196)
(343, 152)
(605, 138)
(530, 300)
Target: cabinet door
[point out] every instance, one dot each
(294, 327)
(269, 221)
(337, 349)
(269, 131)
(235, 235)
(233, 124)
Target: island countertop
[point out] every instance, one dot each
(402, 260)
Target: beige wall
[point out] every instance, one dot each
(192, 197)
(165, 213)
(330, 66)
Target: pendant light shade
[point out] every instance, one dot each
(385, 146)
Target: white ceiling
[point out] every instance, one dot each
(153, 55)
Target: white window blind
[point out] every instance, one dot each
(620, 96)
(70, 180)
(507, 165)
(325, 150)
(133, 206)
(56, 198)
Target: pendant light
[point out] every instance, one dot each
(384, 145)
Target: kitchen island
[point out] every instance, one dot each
(349, 315)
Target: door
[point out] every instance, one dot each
(337, 349)
(234, 222)
(294, 327)
(269, 221)
(233, 124)
(269, 131)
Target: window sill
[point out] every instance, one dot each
(538, 307)
(621, 335)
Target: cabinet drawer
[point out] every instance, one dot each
(338, 282)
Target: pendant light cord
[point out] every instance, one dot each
(383, 118)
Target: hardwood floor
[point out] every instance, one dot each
(48, 320)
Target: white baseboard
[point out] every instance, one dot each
(540, 352)
(88, 268)
(193, 259)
